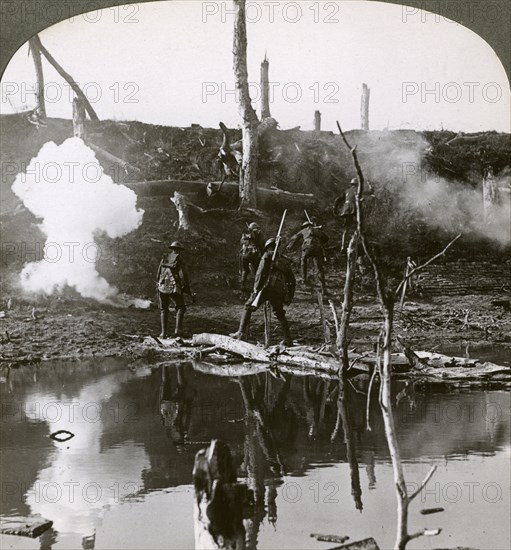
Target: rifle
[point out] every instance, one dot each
(307, 216)
(257, 299)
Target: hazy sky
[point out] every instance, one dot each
(171, 63)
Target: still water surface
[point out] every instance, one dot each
(124, 480)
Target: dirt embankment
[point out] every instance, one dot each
(39, 328)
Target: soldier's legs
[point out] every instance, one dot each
(180, 307)
(278, 309)
(164, 302)
(305, 262)
(320, 266)
(242, 333)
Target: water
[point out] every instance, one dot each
(124, 480)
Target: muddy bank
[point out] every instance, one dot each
(64, 328)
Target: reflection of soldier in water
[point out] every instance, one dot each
(268, 419)
(176, 402)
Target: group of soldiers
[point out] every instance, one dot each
(274, 280)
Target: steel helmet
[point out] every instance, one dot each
(354, 181)
(253, 226)
(177, 245)
(269, 242)
(307, 224)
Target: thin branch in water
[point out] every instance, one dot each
(423, 484)
(371, 382)
(425, 533)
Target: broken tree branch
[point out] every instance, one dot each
(409, 274)
(36, 41)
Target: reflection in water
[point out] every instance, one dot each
(176, 403)
(282, 429)
(82, 479)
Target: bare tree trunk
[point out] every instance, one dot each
(265, 89)
(347, 303)
(248, 172)
(79, 119)
(364, 108)
(317, 121)
(181, 205)
(386, 299)
(66, 76)
(36, 56)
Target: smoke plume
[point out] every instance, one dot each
(451, 205)
(66, 187)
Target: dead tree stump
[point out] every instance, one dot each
(317, 121)
(265, 89)
(491, 196)
(364, 108)
(181, 205)
(221, 502)
(79, 118)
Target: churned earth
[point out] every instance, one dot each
(34, 329)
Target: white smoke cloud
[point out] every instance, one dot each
(66, 187)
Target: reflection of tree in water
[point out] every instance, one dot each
(177, 396)
(344, 422)
(268, 416)
(315, 393)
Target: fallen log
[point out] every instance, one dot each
(265, 196)
(302, 360)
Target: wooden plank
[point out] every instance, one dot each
(22, 526)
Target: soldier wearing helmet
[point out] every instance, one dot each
(345, 207)
(313, 240)
(172, 283)
(251, 250)
(277, 282)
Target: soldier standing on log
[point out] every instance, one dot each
(313, 240)
(251, 250)
(275, 283)
(172, 283)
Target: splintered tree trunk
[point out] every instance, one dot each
(248, 172)
(79, 118)
(66, 76)
(317, 121)
(347, 303)
(265, 89)
(491, 196)
(36, 56)
(181, 205)
(364, 108)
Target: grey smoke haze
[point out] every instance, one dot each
(453, 206)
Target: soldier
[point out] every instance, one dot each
(345, 208)
(313, 243)
(251, 250)
(172, 284)
(276, 282)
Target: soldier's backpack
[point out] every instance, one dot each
(248, 248)
(314, 239)
(167, 282)
(282, 280)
